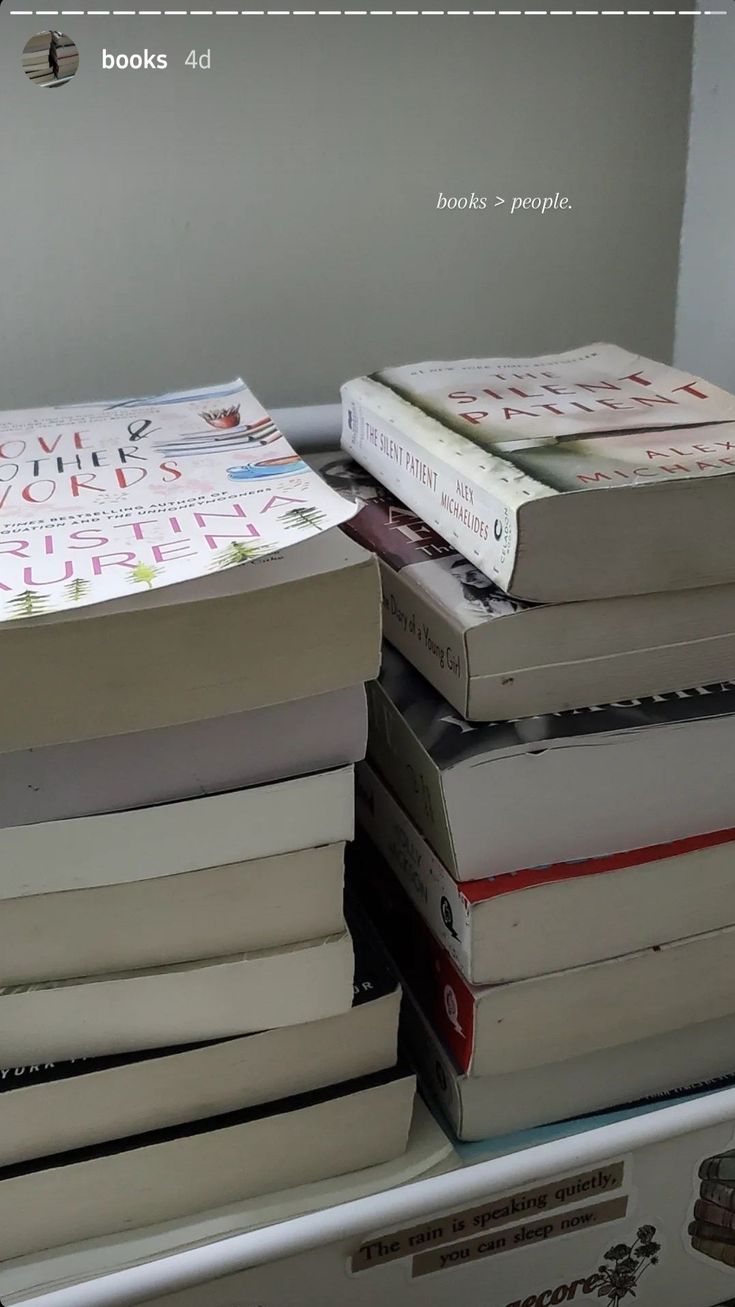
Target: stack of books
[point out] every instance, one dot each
(50, 59)
(185, 1020)
(548, 842)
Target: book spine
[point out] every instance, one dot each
(433, 643)
(410, 773)
(427, 883)
(438, 1076)
(720, 1194)
(720, 1167)
(711, 1214)
(387, 436)
(423, 965)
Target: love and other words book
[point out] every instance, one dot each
(502, 456)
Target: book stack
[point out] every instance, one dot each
(548, 838)
(712, 1231)
(50, 59)
(185, 1021)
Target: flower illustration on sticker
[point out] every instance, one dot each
(223, 419)
(625, 1264)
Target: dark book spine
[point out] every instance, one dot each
(719, 1167)
(714, 1215)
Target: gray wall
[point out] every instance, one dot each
(276, 215)
(705, 337)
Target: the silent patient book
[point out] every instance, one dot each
(496, 455)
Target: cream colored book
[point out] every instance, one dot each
(497, 454)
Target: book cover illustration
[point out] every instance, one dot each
(450, 740)
(402, 539)
(106, 500)
(712, 1229)
(586, 419)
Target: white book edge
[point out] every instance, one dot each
(172, 838)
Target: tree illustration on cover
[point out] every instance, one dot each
(144, 574)
(712, 1231)
(303, 519)
(625, 1265)
(76, 590)
(29, 603)
(236, 553)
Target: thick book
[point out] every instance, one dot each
(185, 1003)
(297, 623)
(553, 788)
(700, 1057)
(143, 768)
(713, 1214)
(562, 477)
(540, 919)
(493, 657)
(52, 1107)
(100, 500)
(193, 1167)
(176, 881)
(522, 1024)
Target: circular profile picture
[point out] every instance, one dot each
(50, 59)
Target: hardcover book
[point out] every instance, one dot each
(596, 781)
(495, 657)
(498, 456)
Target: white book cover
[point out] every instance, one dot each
(103, 500)
(169, 839)
(186, 1003)
(482, 449)
(598, 390)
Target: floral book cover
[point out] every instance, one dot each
(104, 500)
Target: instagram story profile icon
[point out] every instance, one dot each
(50, 59)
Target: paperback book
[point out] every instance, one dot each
(239, 626)
(495, 657)
(481, 1107)
(50, 1107)
(498, 456)
(541, 919)
(666, 761)
(109, 499)
(519, 1025)
(164, 1174)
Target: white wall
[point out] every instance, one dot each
(705, 334)
(276, 215)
